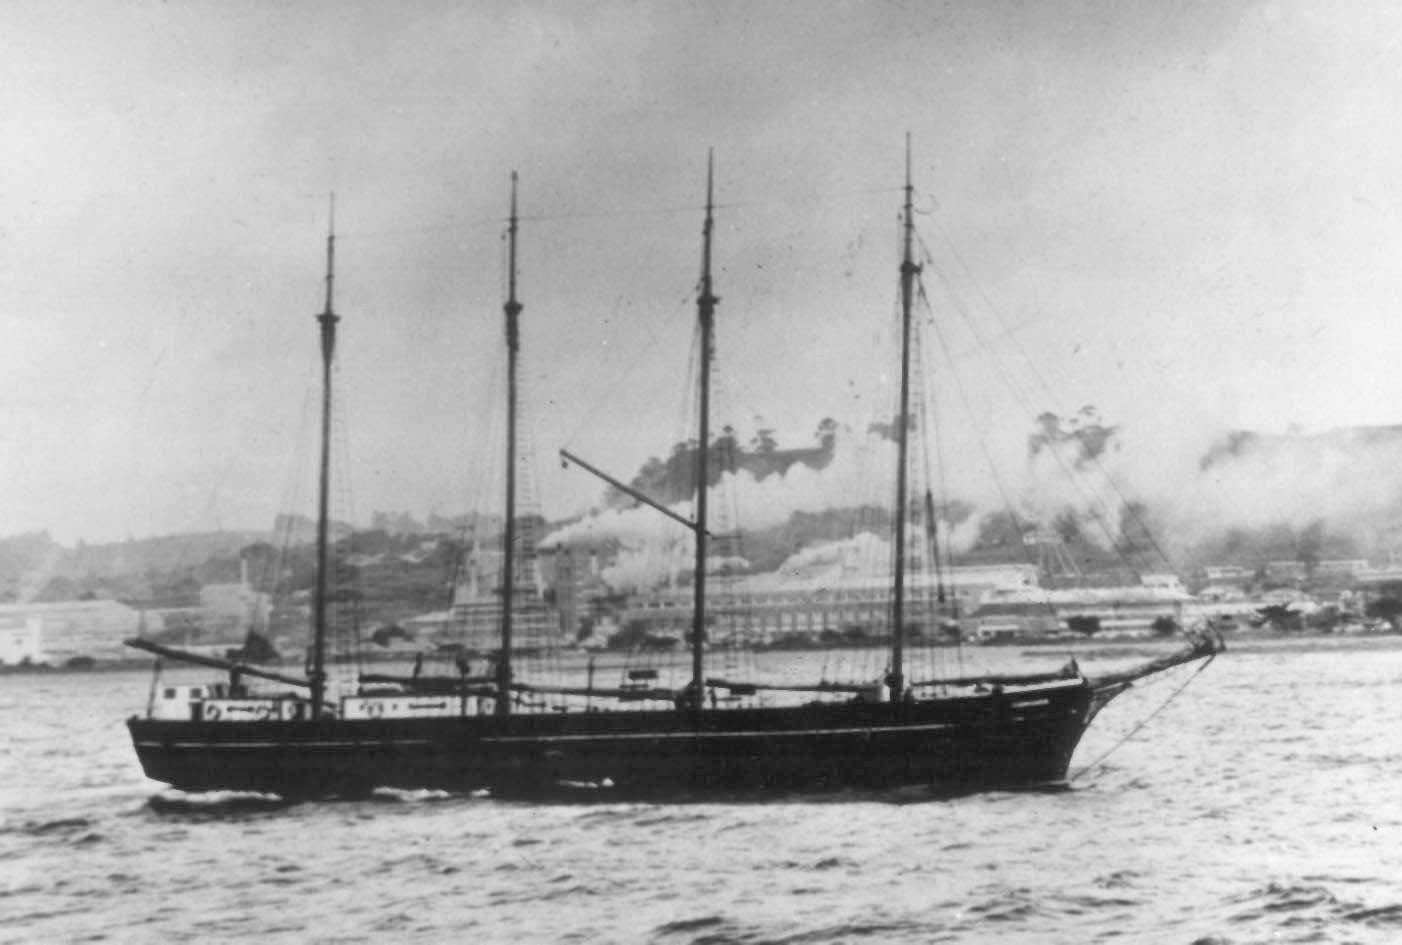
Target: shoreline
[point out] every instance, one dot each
(1085, 647)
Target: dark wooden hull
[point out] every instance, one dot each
(951, 746)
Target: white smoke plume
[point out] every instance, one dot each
(1346, 479)
(654, 549)
(1196, 486)
(1350, 480)
(645, 568)
(862, 555)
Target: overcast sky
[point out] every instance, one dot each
(1188, 213)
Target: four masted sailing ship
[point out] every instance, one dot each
(466, 732)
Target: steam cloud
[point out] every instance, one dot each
(1192, 489)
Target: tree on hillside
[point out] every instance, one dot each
(1164, 626)
(674, 479)
(1000, 530)
(1309, 546)
(1281, 618)
(1385, 608)
(262, 561)
(1137, 530)
(1085, 432)
(1084, 625)
(764, 442)
(256, 649)
(1067, 526)
(58, 589)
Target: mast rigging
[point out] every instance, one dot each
(909, 270)
(512, 308)
(705, 312)
(952, 736)
(327, 319)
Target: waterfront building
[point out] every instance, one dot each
(770, 608)
(1285, 571)
(66, 630)
(20, 640)
(1123, 611)
(1374, 578)
(1341, 567)
(230, 611)
(1228, 573)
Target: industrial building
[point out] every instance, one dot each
(57, 632)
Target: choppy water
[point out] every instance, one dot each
(1264, 804)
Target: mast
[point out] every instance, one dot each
(512, 308)
(705, 311)
(896, 679)
(327, 319)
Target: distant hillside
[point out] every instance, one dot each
(1259, 498)
(26, 563)
(35, 567)
(164, 553)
